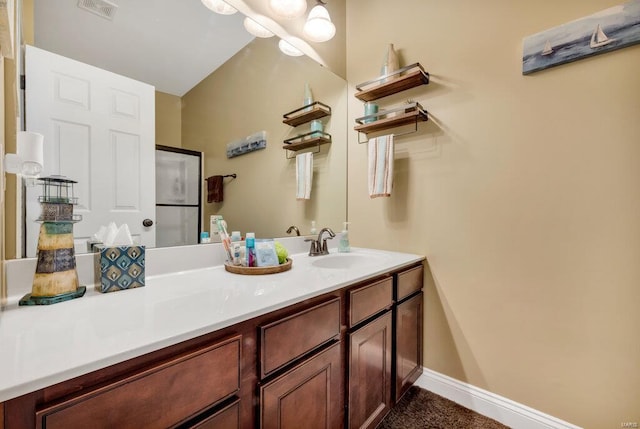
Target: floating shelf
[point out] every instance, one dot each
(402, 79)
(304, 141)
(306, 114)
(411, 113)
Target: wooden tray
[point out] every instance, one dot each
(251, 271)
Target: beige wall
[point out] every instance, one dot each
(523, 193)
(168, 119)
(248, 94)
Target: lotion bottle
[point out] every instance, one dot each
(343, 244)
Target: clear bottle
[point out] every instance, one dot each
(250, 243)
(308, 95)
(343, 244)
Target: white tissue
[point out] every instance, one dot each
(111, 235)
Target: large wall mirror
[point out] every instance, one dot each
(216, 86)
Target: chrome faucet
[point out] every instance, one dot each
(293, 228)
(319, 245)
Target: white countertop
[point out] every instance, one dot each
(44, 345)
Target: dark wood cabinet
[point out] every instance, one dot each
(384, 350)
(408, 344)
(339, 359)
(308, 396)
(370, 373)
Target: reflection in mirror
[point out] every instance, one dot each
(248, 93)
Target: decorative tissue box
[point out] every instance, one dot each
(119, 267)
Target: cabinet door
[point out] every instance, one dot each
(370, 373)
(308, 396)
(408, 343)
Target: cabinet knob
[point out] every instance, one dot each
(147, 222)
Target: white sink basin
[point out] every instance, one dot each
(339, 261)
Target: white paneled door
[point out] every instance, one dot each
(99, 130)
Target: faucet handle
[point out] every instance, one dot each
(315, 247)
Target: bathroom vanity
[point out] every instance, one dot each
(332, 343)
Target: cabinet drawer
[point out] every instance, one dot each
(367, 300)
(291, 337)
(409, 281)
(226, 418)
(164, 394)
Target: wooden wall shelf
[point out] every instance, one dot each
(306, 114)
(404, 115)
(315, 138)
(408, 77)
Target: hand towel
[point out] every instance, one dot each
(214, 189)
(380, 170)
(304, 175)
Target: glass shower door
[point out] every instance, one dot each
(178, 190)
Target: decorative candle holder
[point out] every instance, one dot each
(56, 278)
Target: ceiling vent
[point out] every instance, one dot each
(103, 8)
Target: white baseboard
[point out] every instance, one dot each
(489, 404)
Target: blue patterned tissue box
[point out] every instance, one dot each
(119, 267)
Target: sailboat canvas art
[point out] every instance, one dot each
(604, 31)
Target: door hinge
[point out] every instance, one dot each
(23, 81)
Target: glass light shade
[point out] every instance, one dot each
(219, 6)
(319, 27)
(256, 29)
(289, 49)
(31, 169)
(288, 9)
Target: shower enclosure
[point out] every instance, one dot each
(178, 190)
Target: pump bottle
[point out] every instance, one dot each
(343, 244)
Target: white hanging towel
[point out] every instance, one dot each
(380, 166)
(304, 175)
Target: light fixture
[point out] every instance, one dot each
(219, 6)
(319, 27)
(289, 49)
(256, 29)
(29, 159)
(288, 9)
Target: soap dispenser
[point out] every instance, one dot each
(343, 244)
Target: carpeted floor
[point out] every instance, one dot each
(421, 409)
